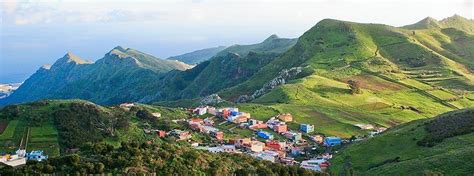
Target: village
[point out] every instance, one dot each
(271, 140)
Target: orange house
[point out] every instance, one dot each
(285, 117)
(281, 128)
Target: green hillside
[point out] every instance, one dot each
(198, 56)
(404, 75)
(57, 125)
(402, 150)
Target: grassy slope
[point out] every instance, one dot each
(451, 157)
(396, 76)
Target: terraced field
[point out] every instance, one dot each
(40, 138)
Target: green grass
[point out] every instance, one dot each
(442, 94)
(257, 111)
(451, 157)
(9, 131)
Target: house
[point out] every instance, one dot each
(280, 128)
(219, 135)
(195, 126)
(229, 148)
(238, 119)
(242, 142)
(285, 117)
(272, 122)
(126, 106)
(271, 156)
(318, 138)
(307, 128)
(293, 135)
(208, 121)
(255, 122)
(200, 110)
(312, 164)
(275, 145)
(289, 161)
(258, 126)
(297, 151)
(215, 149)
(212, 110)
(36, 155)
(256, 146)
(364, 126)
(161, 133)
(332, 141)
(180, 135)
(196, 120)
(208, 129)
(264, 135)
(14, 160)
(156, 114)
(225, 112)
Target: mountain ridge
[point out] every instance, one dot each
(198, 56)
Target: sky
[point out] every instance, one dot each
(34, 33)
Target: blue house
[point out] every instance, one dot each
(264, 135)
(307, 128)
(36, 155)
(332, 141)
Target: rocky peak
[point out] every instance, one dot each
(69, 59)
(272, 37)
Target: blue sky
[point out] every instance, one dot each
(34, 33)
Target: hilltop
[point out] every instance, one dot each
(272, 44)
(198, 56)
(455, 21)
(402, 149)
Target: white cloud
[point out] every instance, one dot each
(220, 11)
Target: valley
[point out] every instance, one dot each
(349, 81)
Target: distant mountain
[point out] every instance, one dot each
(398, 151)
(230, 67)
(272, 44)
(7, 89)
(198, 56)
(123, 74)
(456, 22)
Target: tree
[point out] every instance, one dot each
(354, 86)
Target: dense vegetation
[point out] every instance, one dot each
(162, 159)
(448, 125)
(58, 126)
(396, 152)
